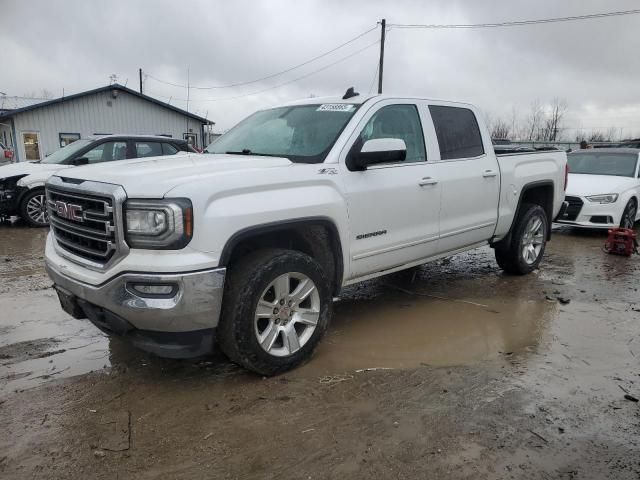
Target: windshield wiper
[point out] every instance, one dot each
(246, 151)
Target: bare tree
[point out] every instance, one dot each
(534, 120)
(43, 93)
(611, 134)
(597, 136)
(516, 133)
(500, 129)
(553, 120)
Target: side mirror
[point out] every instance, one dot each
(80, 161)
(377, 150)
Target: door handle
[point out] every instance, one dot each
(427, 181)
(489, 173)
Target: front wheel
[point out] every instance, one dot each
(524, 250)
(628, 219)
(33, 208)
(276, 308)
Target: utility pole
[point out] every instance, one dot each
(383, 24)
(140, 75)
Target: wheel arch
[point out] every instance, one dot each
(24, 191)
(633, 196)
(540, 193)
(318, 237)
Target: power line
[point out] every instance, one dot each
(239, 84)
(518, 23)
(283, 83)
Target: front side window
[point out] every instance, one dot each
(107, 152)
(148, 149)
(615, 164)
(457, 131)
(398, 121)
(301, 133)
(168, 149)
(61, 156)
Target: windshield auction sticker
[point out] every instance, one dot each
(335, 107)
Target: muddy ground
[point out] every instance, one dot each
(455, 372)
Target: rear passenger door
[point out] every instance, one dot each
(469, 177)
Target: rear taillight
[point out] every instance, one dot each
(566, 176)
(8, 154)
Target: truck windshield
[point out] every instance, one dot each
(616, 164)
(303, 134)
(64, 153)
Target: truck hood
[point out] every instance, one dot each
(585, 185)
(153, 177)
(30, 168)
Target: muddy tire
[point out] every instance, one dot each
(628, 219)
(522, 252)
(277, 305)
(33, 208)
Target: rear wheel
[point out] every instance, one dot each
(628, 219)
(33, 208)
(523, 251)
(276, 308)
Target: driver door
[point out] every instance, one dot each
(393, 208)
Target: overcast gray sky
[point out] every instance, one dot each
(76, 45)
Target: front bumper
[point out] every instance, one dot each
(593, 215)
(8, 202)
(177, 325)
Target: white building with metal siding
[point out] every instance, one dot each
(36, 131)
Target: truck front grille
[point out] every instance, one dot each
(573, 210)
(83, 224)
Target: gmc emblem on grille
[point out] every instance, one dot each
(66, 210)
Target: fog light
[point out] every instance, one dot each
(155, 290)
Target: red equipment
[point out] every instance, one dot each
(621, 241)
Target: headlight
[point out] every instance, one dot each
(604, 198)
(165, 224)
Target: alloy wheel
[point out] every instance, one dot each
(629, 216)
(533, 240)
(287, 314)
(37, 209)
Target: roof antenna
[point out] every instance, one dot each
(350, 93)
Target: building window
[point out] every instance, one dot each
(191, 138)
(31, 142)
(68, 138)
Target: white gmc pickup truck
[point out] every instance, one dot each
(247, 245)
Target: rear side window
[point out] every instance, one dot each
(148, 149)
(168, 149)
(457, 131)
